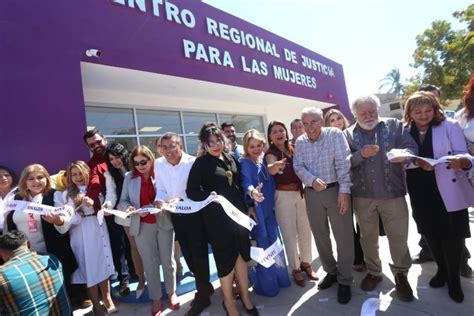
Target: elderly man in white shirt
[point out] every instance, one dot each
(171, 177)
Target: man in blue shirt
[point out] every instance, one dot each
(30, 284)
(229, 131)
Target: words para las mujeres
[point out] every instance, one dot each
(209, 54)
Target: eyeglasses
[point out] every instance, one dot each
(95, 144)
(140, 163)
(170, 148)
(217, 143)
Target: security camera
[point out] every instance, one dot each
(93, 53)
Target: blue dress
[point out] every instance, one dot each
(266, 282)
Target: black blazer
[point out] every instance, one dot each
(56, 243)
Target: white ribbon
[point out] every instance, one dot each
(266, 257)
(188, 207)
(235, 214)
(36, 208)
(124, 215)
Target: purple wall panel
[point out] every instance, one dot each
(43, 42)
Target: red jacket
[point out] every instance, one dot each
(96, 180)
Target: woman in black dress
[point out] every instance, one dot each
(218, 172)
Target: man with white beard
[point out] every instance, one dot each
(378, 188)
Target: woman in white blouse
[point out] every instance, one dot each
(89, 240)
(35, 186)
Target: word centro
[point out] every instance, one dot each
(213, 55)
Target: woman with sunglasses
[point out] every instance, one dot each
(153, 233)
(35, 186)
(217, 172)
(117, 160)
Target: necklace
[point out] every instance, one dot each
(422, 132)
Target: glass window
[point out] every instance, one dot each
(150, 143)
(128, 142)
(194, 121)
(152, 122)
(110, 121)
(243, 122)
(395, 106)
(192, 145)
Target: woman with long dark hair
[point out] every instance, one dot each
(7, 189)
(218, 172)
(117, 160)
(290, 207)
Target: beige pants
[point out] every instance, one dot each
(156, 247)
(394, 215)
(291, 216)
(323, 211)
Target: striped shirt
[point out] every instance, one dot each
(327, 158)
(32, 284)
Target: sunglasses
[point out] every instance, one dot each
(217, 143)
(95, 144)
(140, 163)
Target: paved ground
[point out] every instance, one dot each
(309, 301)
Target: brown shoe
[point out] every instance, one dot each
(298, 277)
(404, 291)
(308, 269)
(359, 267)
(370, 282)
(85, 303)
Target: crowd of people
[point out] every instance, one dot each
(292, 188)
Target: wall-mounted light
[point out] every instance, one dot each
(93, 53)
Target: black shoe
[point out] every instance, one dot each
(466, 270)
(344, 294)
(422, 257)
(456, 295)
(210, 289)
(198, 305)
(252, 311)
(439, 280)
(123, 287)
(327, 282)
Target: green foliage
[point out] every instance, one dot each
(446, 56)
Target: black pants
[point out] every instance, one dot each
(190, 234)
(120, 246)
(358, 252)
(425, 249)
(448, 255)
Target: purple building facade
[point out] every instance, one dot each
(120, 64)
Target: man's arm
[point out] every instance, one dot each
(342, 162)
(96, 183)
(355, 153)
(161, 191)
(405, 141)
(299, 165)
